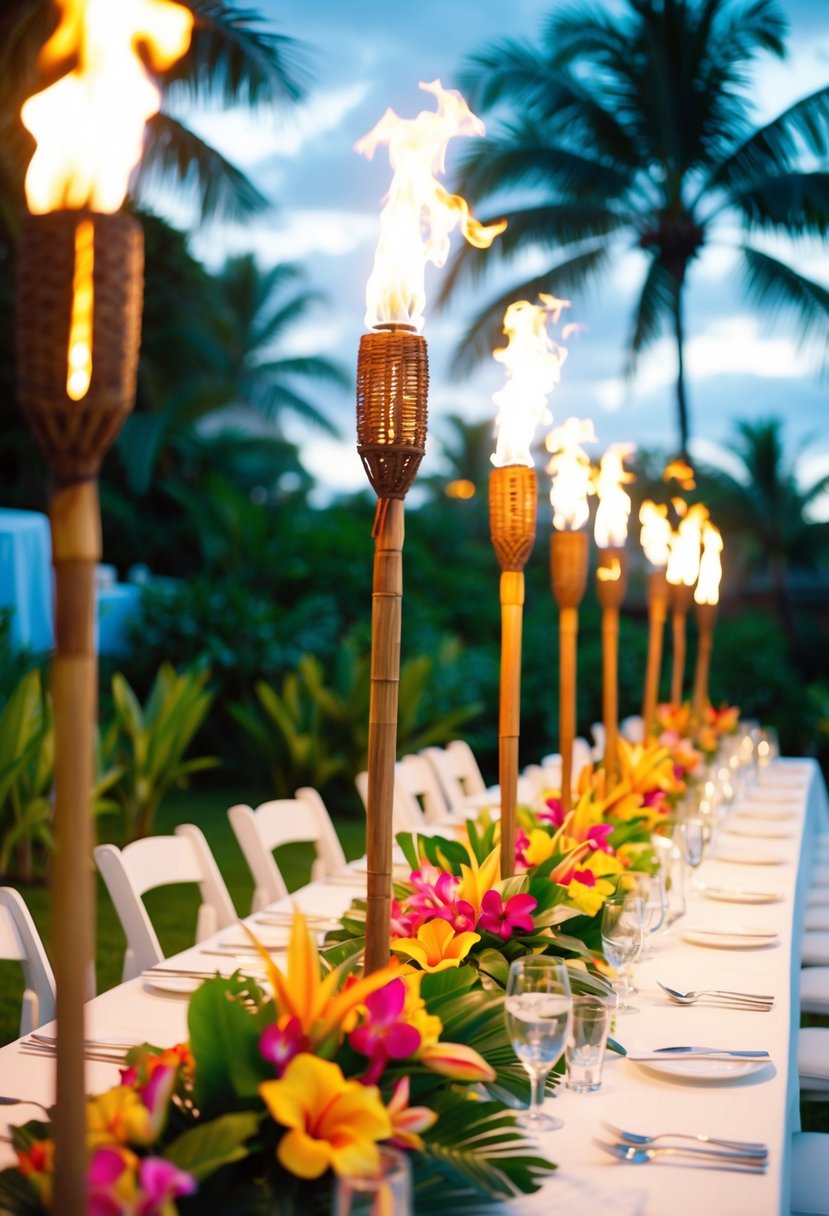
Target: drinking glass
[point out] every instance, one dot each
(386, 1193)
(538, 1009)
(584, 1052)
(623, 922)
(693, 840)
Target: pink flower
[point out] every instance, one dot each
(405, 922)
(384, 1036)
(598, 837)
(119, 1183)
(554, 813)
(521, 842)
(504, 919)
(161, 1184)
(279, 1044)
(407, 1121)
(586, 877)
(437, 899)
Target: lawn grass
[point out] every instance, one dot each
(173, 910)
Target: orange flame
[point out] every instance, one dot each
(611, 573)
(710, 566)
(419, 214)
(655, 537)
(89, 125)
(681, 472)
(683, 563)
(79, 358)
(533, 362)
(571, 472)
(611, 526)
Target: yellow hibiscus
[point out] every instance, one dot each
(118, 1116)
(437, 946)
(331, 1122)
(541, 846)
(477, 879)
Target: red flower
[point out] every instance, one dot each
(503, 919)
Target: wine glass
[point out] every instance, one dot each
(623, 920)
(652, 890)
(693, 840)
(539, 1007)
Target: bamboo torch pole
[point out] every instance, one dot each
(682, 597)
(611, 585)
(658, 599)
(392, 386)
(706, 620)
(74, 434)
(568, 568)
(512, 518)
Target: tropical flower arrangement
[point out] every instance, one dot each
(693, 739)
(275, 1095)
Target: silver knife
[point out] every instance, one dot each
(697, 1053)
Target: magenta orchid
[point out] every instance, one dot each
(383, 1036)
(121, 1184)
(161, 1184)
(280, 1043)
(502, 919)
(554, 813)
(599, 835)
(435, 897)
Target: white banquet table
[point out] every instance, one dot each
(762, 1106)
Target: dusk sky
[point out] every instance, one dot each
(367, 56)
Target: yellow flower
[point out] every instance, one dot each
(540, 847)
(300, 992)
(428, 1025)
(331, 1121)
(437, 945)
(118, 1116)
(476, 879)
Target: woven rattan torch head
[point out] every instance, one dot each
(611, 575)
(392, 391)
(74, 434)
(513, 505)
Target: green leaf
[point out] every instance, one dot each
(224, 1039)
(493, 963)
(207, 1147)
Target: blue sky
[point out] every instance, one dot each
(367, 56)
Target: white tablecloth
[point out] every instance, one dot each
(761, 1107)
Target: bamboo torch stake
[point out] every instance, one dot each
(512, 519)
(611, 585)
(658, 597)
(392, 386)
(568, 568)
(682, 598)
(74, 434)
(706, 620)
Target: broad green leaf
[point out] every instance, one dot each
(205, 1148)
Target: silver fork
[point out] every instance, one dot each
(751, 1148)
(711, 1157)
(749, 999)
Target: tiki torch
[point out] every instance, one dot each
(706, 598)
(655, 539)
(571, 473)
(610, 534)
(533, 362)
(392, 383)
(80, 286)
(682, 571)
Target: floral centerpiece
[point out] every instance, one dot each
(692, 739)
(276, 1094)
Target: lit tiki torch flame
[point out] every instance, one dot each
(533, 363)
(682, 572)
(610, 533)
(80, 272)
(655, 538)
(707, 597)
(392, 382)
(572, 484)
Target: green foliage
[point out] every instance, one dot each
(26, 768)
(147, 744)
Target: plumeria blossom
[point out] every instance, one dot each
(281, 1041)
(332, 1122)
(383, 1035)
(408, 1121)
(502, 917)
(436, 946)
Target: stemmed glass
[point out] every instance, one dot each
(539, 1007)
(651, 888)
(623, 920)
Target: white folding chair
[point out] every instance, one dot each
(20, 942)
(406, 813)
(446, 771)
(285, 821)
(814, 990)
(159, 861)
(814, 949)
(632, 728)
(599, 734)
(582, 757)
(467, 767)
(810, 1174)
(419, 783)
(813, 1061)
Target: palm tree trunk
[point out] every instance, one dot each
(681, 399)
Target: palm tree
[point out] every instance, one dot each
(232, 60)
(769, 509)
(634, 132)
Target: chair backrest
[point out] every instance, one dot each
(467, 768)
(633, 728)
(582, 756)
(407, 815)
(20, 941)
(599, 734)
(419, 782)
(285, 821)
(159, 861)
(446, 771)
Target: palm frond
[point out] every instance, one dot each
(172, 152)
(795, 202)
(273, 399)
(506, 68)
(780, 289)
(521, 157)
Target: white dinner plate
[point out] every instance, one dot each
(689, 1069)
(738, 895)
(761, 832)
(180, 985)
(748, 859)
(738, 938)
(749, 811)
(272, 937)
(788, 795)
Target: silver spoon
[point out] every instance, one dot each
(751, 1148)
(688, 998)
(705, 1156)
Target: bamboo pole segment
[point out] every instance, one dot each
(706, 620)
(568, 569)
(611, 586)
(74, 434)
(658, 598)
(682, 597)
(392, 385)
(512, 518)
